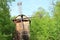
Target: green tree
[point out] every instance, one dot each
(39, 27)
(57, 19)
(6, 25)
(45, 27)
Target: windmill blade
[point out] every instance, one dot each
(20, 7)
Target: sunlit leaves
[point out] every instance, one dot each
(46, 27)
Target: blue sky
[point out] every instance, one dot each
(29, 6)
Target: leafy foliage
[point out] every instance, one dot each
(6, 24)
(46, 27)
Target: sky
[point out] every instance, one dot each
(29, 6)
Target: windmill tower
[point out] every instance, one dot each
(22, 23)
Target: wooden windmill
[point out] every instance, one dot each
(22, 25)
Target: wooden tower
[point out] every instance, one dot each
(22, 27)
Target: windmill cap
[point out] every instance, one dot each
(19, 17)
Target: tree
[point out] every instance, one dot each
(46, 27)
(57, 19)
(6, 26)
(39, 27)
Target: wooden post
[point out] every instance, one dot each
(22, 27)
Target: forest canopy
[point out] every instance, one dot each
(45, 27)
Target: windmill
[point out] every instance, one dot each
(22, 25)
